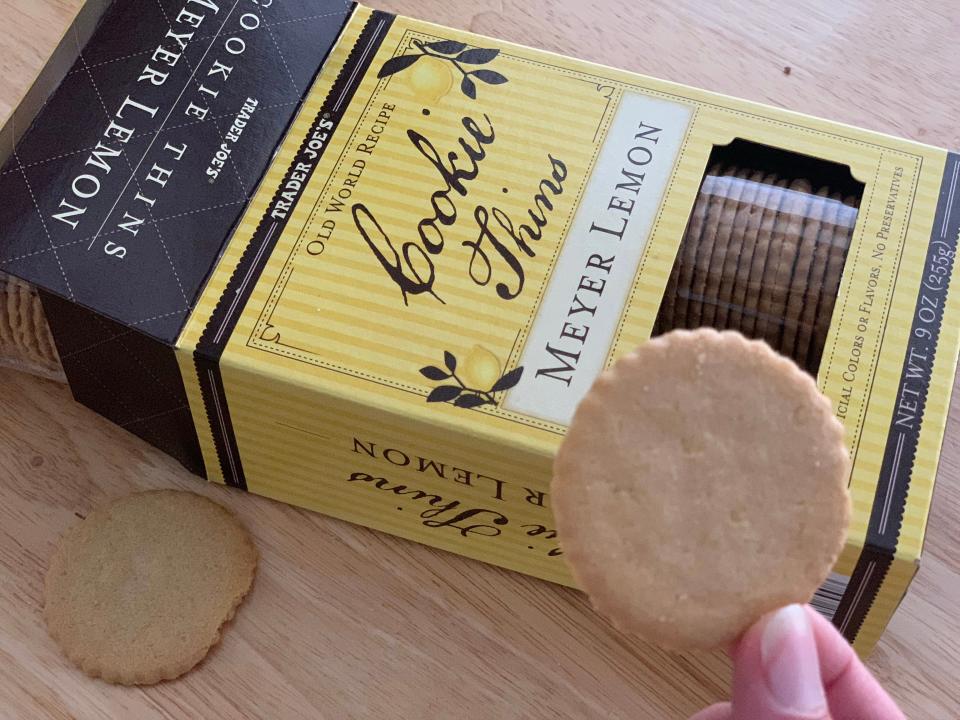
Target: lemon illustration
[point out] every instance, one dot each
(480, 369)
(430, 79)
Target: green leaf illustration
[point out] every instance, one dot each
(470, 401)
(477, 56)
(446, 47)
(444, 393)
(433, 373)
(508, 381)
(489, 76)
(450, 361)
(468, 87)
(396, 64)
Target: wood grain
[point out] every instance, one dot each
(346, 622)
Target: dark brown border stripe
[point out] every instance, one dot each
(224, 318)
(893, 485)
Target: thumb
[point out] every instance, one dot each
(777, 670)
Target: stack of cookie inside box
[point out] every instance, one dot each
(25, 339)
(764, 250)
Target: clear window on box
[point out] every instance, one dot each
(764, 249)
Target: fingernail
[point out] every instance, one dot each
(788, 653)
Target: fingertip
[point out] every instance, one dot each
(776, 672)
(835, 652)
(791, 663)
(856, 693)
(764, 686)
(852, 690)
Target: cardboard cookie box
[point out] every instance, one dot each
(369, 265)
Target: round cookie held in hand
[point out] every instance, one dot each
(701, 484)
(138, 591)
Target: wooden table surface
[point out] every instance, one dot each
(346, 622)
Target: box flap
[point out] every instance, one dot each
(122, 192)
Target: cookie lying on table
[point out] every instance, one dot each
(139, 591)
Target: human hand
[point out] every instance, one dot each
(794, 665)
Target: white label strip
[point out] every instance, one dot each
(585, 297)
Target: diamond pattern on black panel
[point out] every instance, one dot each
(139, 239)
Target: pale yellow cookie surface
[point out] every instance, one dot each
(701, 484)
(138, 591)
